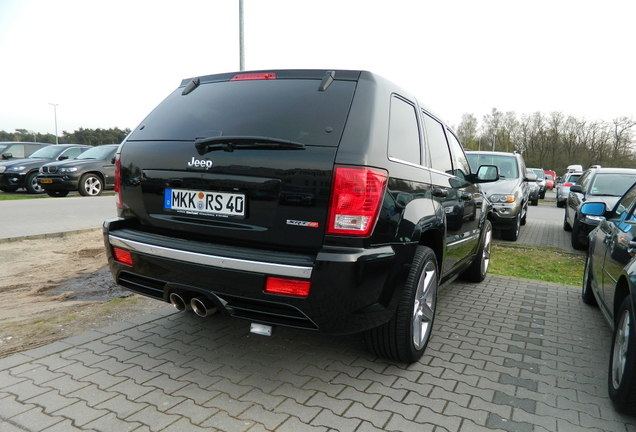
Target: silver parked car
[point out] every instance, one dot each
(563, 187)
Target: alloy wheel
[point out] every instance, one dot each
(424, 305)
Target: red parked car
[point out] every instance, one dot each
(550, 179)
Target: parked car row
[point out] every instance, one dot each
(510, 195)
(58, 169)
(595, 184)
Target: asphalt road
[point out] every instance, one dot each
(43, 216)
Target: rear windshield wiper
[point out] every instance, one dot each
(231, 143)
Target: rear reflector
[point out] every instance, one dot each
(123, 256)
(289, 287)
(356, 198)
(254, 76)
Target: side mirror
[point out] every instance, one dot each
(62, 158)
(7, 156)
(576, 188)
(112, 161)
(593, 208)
(531, 177)
(487, 173)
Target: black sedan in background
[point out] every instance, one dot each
(596, 184)
(90, 173)
(22, 173)
(610, 281)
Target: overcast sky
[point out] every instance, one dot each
(108, 63)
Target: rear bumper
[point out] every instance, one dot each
(352, 289)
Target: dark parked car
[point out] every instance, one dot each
(18, 150)
(509, 195)
(90, 173)
(610, 281)
(596, 184)
(533, 187)
(321, 200)
(22, 173)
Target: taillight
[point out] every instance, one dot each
(123, 256)
(289, 287)
(356, 197)
(119, 202)
(254, 76)
(568, 184)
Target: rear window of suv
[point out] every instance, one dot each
(288, 109)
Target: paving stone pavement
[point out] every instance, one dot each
(506, 355)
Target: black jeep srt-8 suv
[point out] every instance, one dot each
(321, 200)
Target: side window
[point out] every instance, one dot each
(461, 168)
(437, 145)
(624, 205)
(17, 151)
(584, 180)
(404, 134)
(73, 152)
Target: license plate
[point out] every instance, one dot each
(204, 202)
(46, 181)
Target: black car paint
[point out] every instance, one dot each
(356, 282)
(610, 272)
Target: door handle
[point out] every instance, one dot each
(439, 192)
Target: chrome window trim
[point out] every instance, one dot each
(212, 260)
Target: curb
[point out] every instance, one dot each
(47, 235)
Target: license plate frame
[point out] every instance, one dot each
(206, 203)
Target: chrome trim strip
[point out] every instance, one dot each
(463, 240)
(212, 260)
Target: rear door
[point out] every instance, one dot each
(240, 159)
(453, 192)
(617, 233)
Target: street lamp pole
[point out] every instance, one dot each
(55, 115)
(241, 38)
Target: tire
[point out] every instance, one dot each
(31, 184)
(8, 189)
(90, 185)
(621, 378)
(577, 240)
(566, 225)
(405, 336)
(586, 291)
(57, 193)
(478, 269)
(560, 204)
(534, 202)
(525, 216)
(513, 233)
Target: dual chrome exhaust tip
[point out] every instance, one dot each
(202, 306)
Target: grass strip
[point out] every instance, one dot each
(538, 263)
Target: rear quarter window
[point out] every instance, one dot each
(404, 134)
(289, 109)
